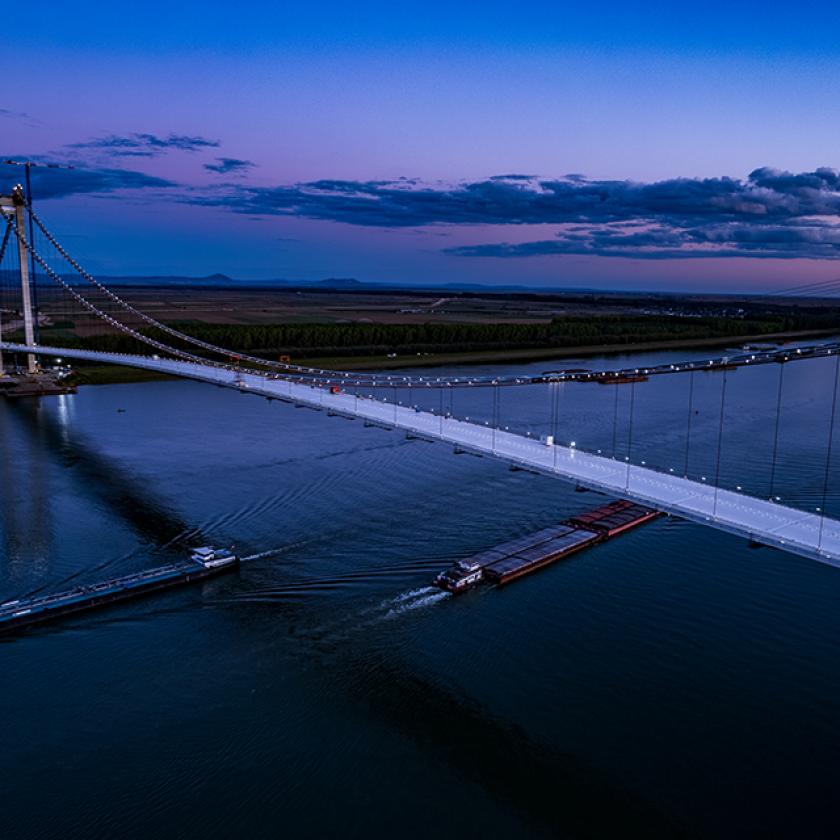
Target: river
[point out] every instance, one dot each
(672, 681)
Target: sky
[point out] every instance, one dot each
(603, 145)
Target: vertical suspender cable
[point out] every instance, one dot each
(615, 422)
(828, 451)
(630, 431)
(495, 420)
(555, 407)
(5, 243)
(776, 432)
(719, 441)
(688, 424)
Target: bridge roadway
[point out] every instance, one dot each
(760, 520)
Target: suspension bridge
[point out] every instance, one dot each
(364, 396)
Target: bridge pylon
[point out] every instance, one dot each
(6, 209)
(17, 204)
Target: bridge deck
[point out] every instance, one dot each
(773, 524)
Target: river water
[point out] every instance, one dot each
(672, 681)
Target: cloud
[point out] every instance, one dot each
(510, 200)
(20, 116)
(514, 177)
(806, 241)
(770, 213)
(226, 165)
(60, 183)
(145, 145)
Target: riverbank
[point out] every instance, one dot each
(548, 354)
(114, 374)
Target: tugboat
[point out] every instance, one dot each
(213, 558)
(462, 576)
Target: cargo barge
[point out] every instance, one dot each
(567, 541)
(524, 555)
(204, 562)
(613, 518)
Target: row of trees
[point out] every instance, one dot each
(375, 339)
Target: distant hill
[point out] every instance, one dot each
(337, 283)
(168, 280)
(345, 283)
(351, 284)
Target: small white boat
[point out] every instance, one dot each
(212, 558)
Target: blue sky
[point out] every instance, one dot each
(255, 140)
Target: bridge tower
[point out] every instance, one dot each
(6, 208)
(15, 205)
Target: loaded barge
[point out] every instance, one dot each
(204, 562)
(524, 555)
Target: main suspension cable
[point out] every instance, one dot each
(324, 376)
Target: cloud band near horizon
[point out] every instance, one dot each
(768, 214)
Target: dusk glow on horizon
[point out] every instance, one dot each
(549, 146)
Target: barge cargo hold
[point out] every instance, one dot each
(614, 518)
(468, 572)
(571, 539)
(204, 562)
(520, 556)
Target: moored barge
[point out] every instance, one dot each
(204, 562)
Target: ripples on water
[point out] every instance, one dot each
(670, 681)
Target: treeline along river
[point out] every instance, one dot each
(354, 339)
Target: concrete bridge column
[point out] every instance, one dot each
(5, 202)
(25, 279)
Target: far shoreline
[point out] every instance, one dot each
(546, 354)
(116, 375)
